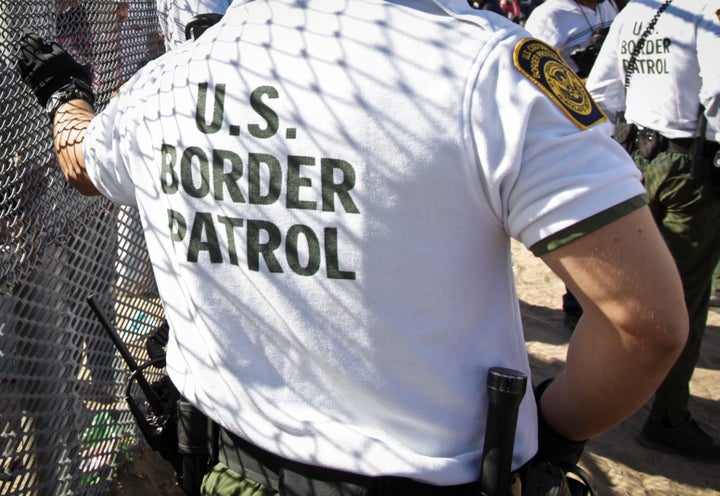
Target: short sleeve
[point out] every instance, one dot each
(105, 163)
(708, 46)
(548, 162)
(606, 81)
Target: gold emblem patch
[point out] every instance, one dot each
(545, 67)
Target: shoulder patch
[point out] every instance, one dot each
(545, 67)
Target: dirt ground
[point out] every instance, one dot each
(617, 463)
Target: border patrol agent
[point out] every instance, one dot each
(328, 190)
(569, 25)
(673, 74)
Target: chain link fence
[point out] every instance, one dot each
(64, 425)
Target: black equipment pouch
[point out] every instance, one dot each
(648, 143)
(715, 173)
(625, 132)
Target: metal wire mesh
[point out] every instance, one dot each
(64, 427)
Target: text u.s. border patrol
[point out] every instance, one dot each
(198, 173)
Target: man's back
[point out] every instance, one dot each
(333, 253)
(334, 194)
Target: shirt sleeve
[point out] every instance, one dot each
(105, 162)
(708, 47)
(606, 81)
(549, 163)
(544, 27)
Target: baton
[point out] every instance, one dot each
(505, 388)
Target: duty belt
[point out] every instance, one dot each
(679, 145)
(302, 479)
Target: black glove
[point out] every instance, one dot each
(46, 68)
(156, 344)
(554, 447)
(557, 456)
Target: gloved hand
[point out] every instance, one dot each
(557, 456)
(156, 344)
(47, 68)
(553, 447)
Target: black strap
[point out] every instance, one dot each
(698, 145)
(632, 63)
(300, 479)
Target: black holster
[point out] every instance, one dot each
(649, 143)
(625, 132)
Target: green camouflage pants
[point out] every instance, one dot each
(688, 216)
(223, 481)
(716, 282)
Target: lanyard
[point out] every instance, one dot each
(632, 63)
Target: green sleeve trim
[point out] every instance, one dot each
(586, 226)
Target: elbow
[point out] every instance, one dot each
(664, 333)
(672, 337)
(87, 190)
(82, 184)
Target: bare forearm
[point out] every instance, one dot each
(633, 328)
(69, 126)
(607, 379)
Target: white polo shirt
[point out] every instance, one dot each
(567, 25)
(676, 71)
(329, 190)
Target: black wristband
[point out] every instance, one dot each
(76, 89)
(553, 446)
